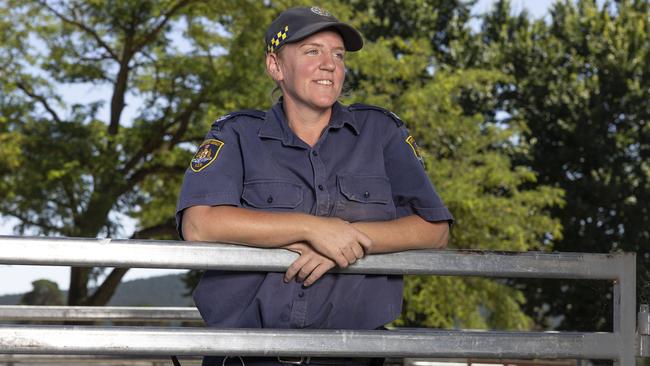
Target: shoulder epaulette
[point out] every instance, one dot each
(219, 122)
(366, 107)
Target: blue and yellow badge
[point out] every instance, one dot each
(206, 154)
(414, 146)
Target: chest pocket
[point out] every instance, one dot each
(272, 195)
(364, 198)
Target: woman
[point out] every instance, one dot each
(331, 182)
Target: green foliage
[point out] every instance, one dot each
(440, 23)
(44, 292)
(468, 162)
(66, 169)
(468, 155)
(581, 82)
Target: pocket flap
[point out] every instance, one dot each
(366, 189)
(272, 194)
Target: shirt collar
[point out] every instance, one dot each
(341, 115)
(276, 126)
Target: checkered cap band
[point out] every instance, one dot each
(277, 40)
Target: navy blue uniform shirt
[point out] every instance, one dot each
(364, 167)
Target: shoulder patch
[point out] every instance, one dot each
(367, 107)
(416, 149)
(219, 122)
(206, 154)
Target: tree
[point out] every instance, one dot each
(443, 24)
(44, 292)
(467, 153)
(70, 171)
(582, 84)
(65, 171)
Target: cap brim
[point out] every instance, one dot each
(351, 38)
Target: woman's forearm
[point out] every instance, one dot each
(241, 226)
(410, 232)
(330, 236)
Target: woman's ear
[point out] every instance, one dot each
(273, 66)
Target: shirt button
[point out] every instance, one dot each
(366, 194)
(320, 187)
(314, 152)
(270, 199)
(301, 294)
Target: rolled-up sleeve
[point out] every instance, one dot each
(412, 190)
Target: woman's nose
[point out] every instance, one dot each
(327, 61)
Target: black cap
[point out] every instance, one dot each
(295, 24)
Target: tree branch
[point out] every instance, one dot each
(83, 27)
(72, 201)
(166, 228)
(121, 84)
(148, 37)
(182, 119)
(105, 291)
(103, 294)
(30, 222)
(142, 173)
(40, 99)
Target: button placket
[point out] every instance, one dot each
(322, 195)
(298, 317)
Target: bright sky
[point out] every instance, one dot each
(18, 279)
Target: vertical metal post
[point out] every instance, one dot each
(643, 321)
(625, 309)
(643, 331)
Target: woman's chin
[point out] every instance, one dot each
(325, 102)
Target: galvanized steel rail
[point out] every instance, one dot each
(193, 255)
(621, 345)
(98, 313)
(337, 343)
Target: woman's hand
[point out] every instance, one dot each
(309, 267)
(338, 240)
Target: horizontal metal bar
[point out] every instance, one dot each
(193, 255)
(93, 313)
(334, 343)
(50, 360)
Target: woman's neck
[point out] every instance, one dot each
(307, 123)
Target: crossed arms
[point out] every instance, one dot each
(322, 242)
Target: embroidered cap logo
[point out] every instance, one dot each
(319, 11)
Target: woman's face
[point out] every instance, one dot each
(311, 72)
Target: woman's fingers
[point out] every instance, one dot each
(309, 267)
(318, 272)
(338, 240)
(365, 242)
(358, 251)
(295, 267)
(349, 254)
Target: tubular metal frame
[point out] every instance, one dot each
(98, 313)
(621, 345)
